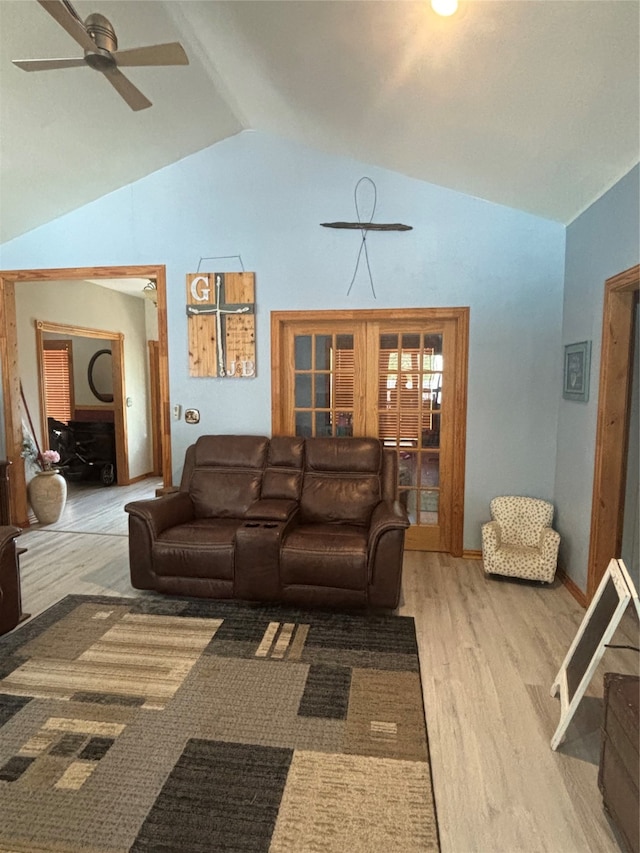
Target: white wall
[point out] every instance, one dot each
(89, 306)
(264, 198)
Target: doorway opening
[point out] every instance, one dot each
(13, 414)
(110, 413)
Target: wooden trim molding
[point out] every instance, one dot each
(77, 331)
(616, 372)
(471, 554)
(141, 477)
(461, 318)
(573, 588)
(9, 366)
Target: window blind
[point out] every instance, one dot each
(58, 380)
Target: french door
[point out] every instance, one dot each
(397, 375)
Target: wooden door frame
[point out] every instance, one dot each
(9, 363)
(614, 398)
(156, 421)
(459, 315)
(117, 352)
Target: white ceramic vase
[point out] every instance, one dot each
(48, 495)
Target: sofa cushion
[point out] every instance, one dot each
(200, 549)
(281, 484)
(285, 452)
(231, 451)
(355, 456)
(333, 555)
(341, 500)
(223, 494)
(341, 481)
(283, 475)
(227, 474)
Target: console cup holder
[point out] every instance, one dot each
(251, 524)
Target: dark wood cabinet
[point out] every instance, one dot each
(618, 772)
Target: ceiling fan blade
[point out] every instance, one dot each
(156, 54)
(60, 12)
(126, 89)
(47, 64)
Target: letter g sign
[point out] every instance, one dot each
(200, 288)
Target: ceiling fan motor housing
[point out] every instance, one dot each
(103, 34)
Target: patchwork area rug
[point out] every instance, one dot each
(186, 725)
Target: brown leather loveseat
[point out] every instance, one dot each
(313, 522)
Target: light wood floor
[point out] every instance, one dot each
(489, 650)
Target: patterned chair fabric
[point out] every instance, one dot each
(519, 541)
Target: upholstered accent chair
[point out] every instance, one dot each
(519, 541)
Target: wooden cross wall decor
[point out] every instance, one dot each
(221, 324)
(364, 226)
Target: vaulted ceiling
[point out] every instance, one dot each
(534, 105)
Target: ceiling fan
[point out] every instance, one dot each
(97, 36)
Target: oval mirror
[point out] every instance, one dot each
(100, 376)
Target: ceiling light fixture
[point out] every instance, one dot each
(444, 7)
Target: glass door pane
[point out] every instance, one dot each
(410, 371)
(323, 392)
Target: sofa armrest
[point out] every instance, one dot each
(7, 533)
(491, 538)
(161, 513)
(386, 547)
(549, 544)
(387, 515)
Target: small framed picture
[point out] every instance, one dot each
(577, 366)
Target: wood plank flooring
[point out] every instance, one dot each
(489, 649)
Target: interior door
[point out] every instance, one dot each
(411, 410)
(324, 392)
(400, 376)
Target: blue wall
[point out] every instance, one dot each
(602, 242)
(264, 198)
